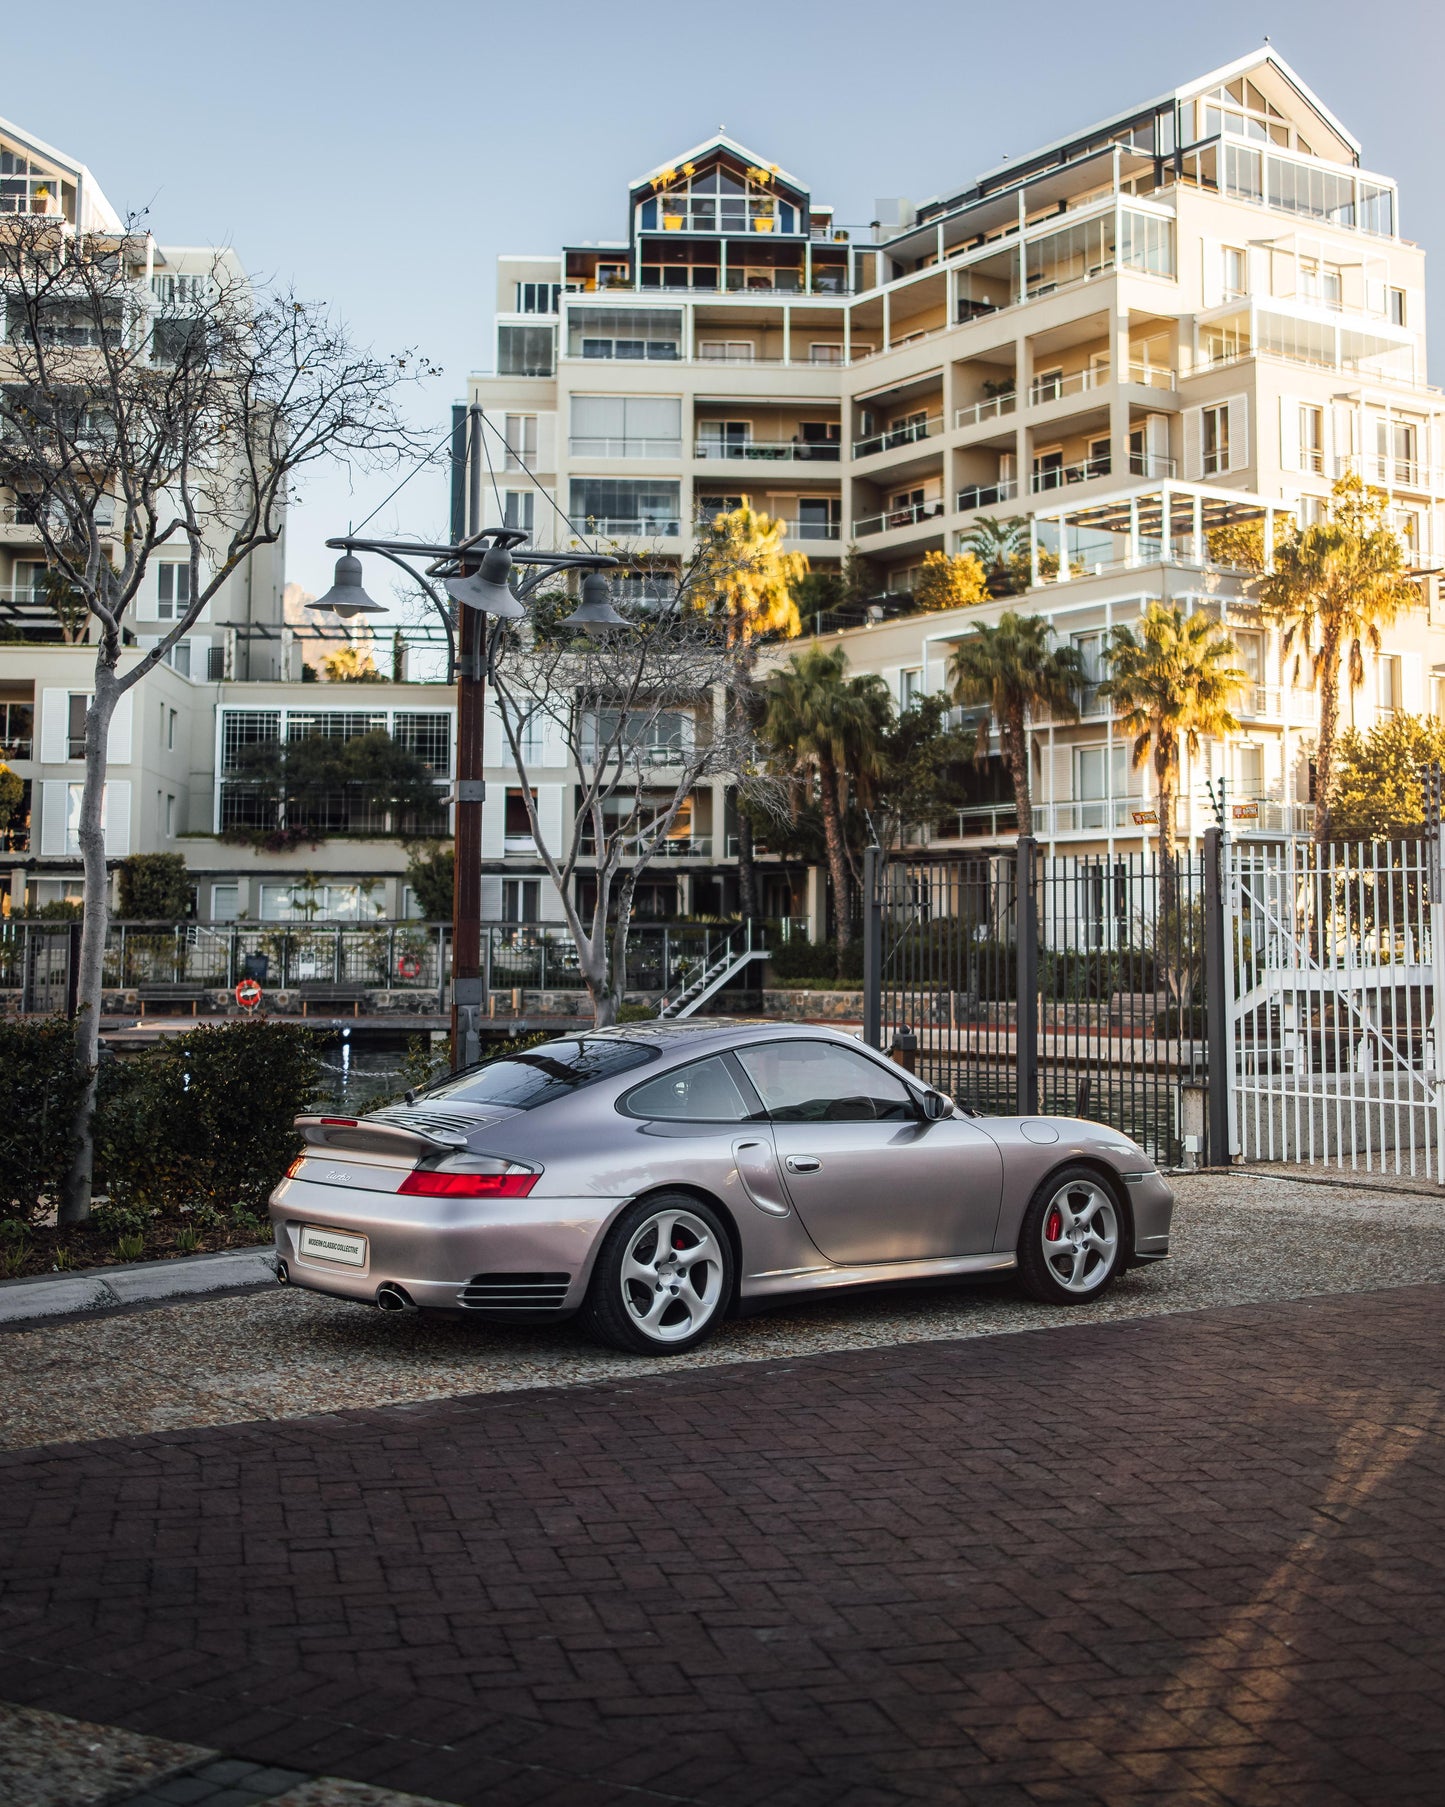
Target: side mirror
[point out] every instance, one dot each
(935, 1106)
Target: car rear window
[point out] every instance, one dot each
(555, 1070)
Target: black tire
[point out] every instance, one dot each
(1058, 1266)
(662, 1310)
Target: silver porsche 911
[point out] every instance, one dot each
(658, 1177)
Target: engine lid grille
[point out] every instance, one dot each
(516, 1292)
(431, 1123)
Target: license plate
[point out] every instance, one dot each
(318, 1244)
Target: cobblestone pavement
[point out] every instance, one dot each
(1238, 1237)
(1192, 1558)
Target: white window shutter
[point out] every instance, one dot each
(1213, 271)
(118, 745)
(1193, 423)
(115, 818)
(54, 727)
(1288, 432)
(549, 815)
(495, 750)
(491, 900)
(494, 822)
(1412, 683)
(1342, 422)
(1238, 432)
(1257, 264)
(547, 442)
(54, 793)
(1156, 437)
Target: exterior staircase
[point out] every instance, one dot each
(701, 979)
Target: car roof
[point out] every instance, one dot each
(702, 1031)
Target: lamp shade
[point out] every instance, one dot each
(346, 596)
(595, 612)
(487, 589)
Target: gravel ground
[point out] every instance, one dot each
(286, 1354)
(47, 1760)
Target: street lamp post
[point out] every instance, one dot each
(490, 572)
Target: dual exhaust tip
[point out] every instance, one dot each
(389, 1296)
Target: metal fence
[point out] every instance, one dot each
(1069, 984)
(35, 957)
(1334, 974)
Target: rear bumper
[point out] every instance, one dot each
(432, 1248)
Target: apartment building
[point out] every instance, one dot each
(1189, 316)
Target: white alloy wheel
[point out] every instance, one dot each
(671, 1275)
(1079, 1235)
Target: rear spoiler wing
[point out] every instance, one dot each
(370, 1135)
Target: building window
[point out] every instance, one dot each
(910, 688)
(73, 794)
(1312, 439)
(825, 351)
(1216, 440)
(619, 505)
(225, 903)
(1397, 307)
(170, 730)
(75, 738)
(518, 508)
(173, 591)
(1395, 449)
(538, 297)
(525, 351)
(521, 435)
(179, 658)
(1387, 695)
(1236, 273)
(516, 824)
(727, 351)
(626, 426)
(521, 899)
(645, 334)
(1320, 282)
(170, 816)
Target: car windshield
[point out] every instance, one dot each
(555, 1070)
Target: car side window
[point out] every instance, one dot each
(819, 1082)
(703, 1092)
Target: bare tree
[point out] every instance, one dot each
(129, 425)
(643, 719)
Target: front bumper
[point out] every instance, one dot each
(432, 1248)
(1151, 1199)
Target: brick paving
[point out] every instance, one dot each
(1189, 1559)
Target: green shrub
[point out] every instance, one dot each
(635, 1013)
(205, 1119)
(154, 887)
(41, 1084)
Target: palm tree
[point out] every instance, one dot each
(747, 577)
(1334, 586)
(1013, 669)
(824, 727)
(1002, 548)
(1170, 684)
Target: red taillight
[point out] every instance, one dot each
(340, 1122)
(427, 1182)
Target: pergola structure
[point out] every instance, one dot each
(1166, 523)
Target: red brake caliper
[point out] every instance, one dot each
(1053, 1228)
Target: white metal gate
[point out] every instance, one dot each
(1333, 964)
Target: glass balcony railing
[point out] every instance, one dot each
(987, 495)
(625, 448)
(904, 434)
(798, 451)
(1059, 476)
(908, 516)
(991, 408)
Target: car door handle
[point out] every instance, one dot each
(803, 1163)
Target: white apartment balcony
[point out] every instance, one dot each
(1386, 472)
(994, 408)
(625, 527)
(625, 448)
(1153, 376)
(1128, 528)
(791, 451)
(986, 495)
(1053, 388)
(826, 532)
(890, 519)
(1151, 464)
(1277, 703)
(1060, 476)
(892, 437)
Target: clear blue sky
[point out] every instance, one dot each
(381, 156)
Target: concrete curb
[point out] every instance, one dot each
(134, 1283)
